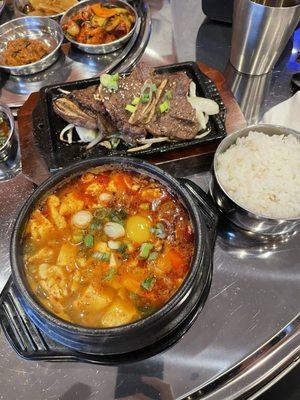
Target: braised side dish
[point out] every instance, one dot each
(23, 51)
(47, 7)
(107, 248)
(4, 130)
(99, 24)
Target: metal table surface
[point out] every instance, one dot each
(248, 333)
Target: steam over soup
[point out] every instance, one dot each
(107, 248)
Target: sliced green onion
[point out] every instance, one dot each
(88, 240)
(164, 106)
(159, 230)
(136, 101)
(77, 238)
(148, 283)
(122, 248)
(153, 255)
(146, 92)
(110, 81)
(153, 87)
(110, 274)
(145, 250)
(114, 142)
(133, 296)
(168, 94)
(145, 97)
(130, 108)
(101, 256)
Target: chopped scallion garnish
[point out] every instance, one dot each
(110, 81)
(130, 108)
(159, 230)
(168, 94)
(101, 256)
(136, 101)
(164, 106)
(145, 97)
(153, 256)
(145, 250)
(77, 238)
(110, 274)
(148, 283)
(88, 240)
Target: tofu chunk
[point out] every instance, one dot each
(120, 312)
(39, 226)
(45, 254)
(70, 204)
(67, 254)
(53, 281)
(58, 220)
(94, 299)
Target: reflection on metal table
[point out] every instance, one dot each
(248, 333)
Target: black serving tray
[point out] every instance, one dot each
(47, 124)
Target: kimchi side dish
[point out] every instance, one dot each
(107, 248)
(99, 24)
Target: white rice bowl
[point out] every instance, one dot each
(261, 173)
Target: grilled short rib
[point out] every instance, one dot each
(99, 107)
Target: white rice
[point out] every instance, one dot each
(262, 174)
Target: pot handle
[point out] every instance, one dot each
(207, 206)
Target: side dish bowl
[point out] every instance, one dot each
(19, 7)
(145, 332)
(239, 215)
(43, 29)
(106, 47)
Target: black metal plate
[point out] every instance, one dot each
(47, 124)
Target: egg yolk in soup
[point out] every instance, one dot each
(107, 248)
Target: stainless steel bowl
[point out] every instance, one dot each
(20, 4)
(41, 28)
(106, 47)
(239, 215)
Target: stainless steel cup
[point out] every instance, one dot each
(261, 30)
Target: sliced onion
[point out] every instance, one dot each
(193, 89)
(82, 219)
(112, 261)
(114, 230)
(199, 113)
(201, 135)
(69, 130)
(143, 147)
(207, 106)
(105, 197)
(113, 245)
(86, 135)
(95, 141)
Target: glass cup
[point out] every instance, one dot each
(10, 160)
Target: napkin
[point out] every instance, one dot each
(286, 113)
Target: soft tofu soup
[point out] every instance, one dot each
(107, 248)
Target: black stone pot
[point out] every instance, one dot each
(153, 329)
